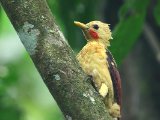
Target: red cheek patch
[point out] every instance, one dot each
(93, 34)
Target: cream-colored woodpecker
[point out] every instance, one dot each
(97, 61)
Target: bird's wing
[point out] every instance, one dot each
(115, 76)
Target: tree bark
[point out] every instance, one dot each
(55, 60)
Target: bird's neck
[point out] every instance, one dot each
(102, 42)
(94, 45)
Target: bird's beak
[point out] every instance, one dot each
(84, 28)
(81, 25)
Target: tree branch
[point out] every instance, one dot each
(55, 60)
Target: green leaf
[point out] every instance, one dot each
(157, 12)
(9, 110)
(127, 31)
(80, 10)
(0, 15)
(0, 10)
(5, 25)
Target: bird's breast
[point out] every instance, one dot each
(93, 55)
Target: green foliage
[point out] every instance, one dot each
(157, 12)
(132, 16)
(5, 25)
(0, 14)
(9, 110)
(67, 12)
(0, 10)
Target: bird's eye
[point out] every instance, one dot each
(95, 26)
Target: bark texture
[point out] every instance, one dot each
(55, 60)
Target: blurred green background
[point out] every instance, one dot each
(135, 25)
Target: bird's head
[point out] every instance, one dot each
(96, 31)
